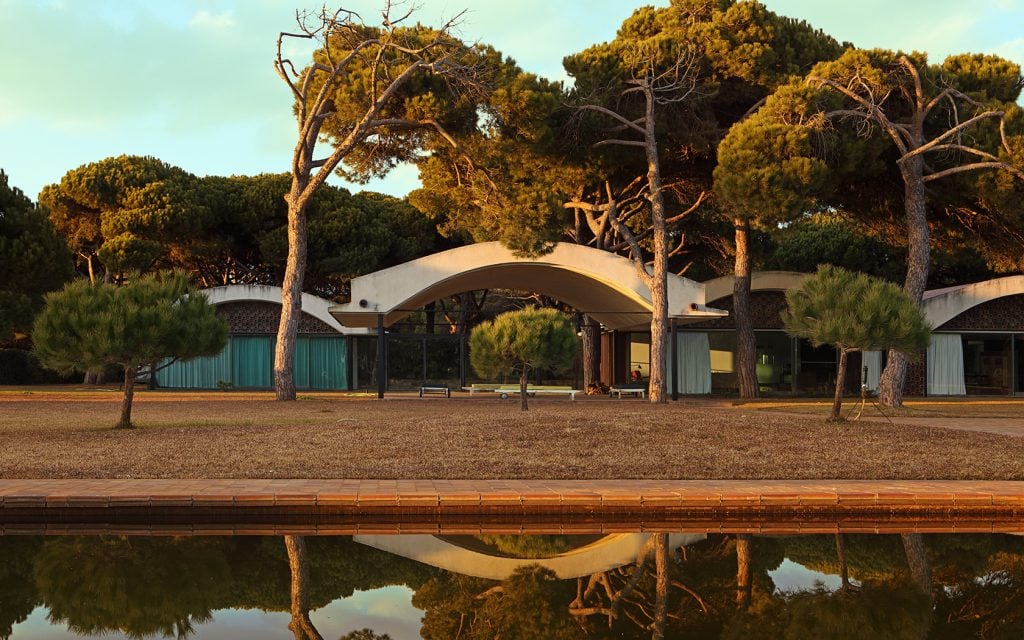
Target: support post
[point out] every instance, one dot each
(382, 360)
(462, 360)
(675, 359)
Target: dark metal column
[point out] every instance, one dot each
(462, 360)
(382, 361)
(675, 359)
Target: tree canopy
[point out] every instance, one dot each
(519, 341)
(126, 213)
(854, 312)
(87, 326)
(33, 260)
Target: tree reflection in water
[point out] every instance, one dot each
(936, 586)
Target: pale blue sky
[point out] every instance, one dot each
(191, 81)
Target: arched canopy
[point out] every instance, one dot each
(313, 305)
(610, 552)
(604, 285)
(942, 305)
(721, 287)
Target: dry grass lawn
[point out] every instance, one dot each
(65, 434)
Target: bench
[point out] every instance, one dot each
(481, 388)
(628, 389)
(505, 390)
(431, 387)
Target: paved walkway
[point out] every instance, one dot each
(1002, 426)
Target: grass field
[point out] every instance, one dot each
(67, 434)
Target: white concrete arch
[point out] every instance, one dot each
(603, 284)
(609, 552)
(721, 287)
(942, 305)
(313, 305)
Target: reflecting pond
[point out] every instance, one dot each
(622, 585)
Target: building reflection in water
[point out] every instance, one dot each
(616, 586)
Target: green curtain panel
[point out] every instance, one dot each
(321, 362)
(199, 373)
(252, 362)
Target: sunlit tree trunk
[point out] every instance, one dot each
(658, 283)
(893, 379)
(524, 379)
(291, 294)
(837, 397)
(746, 342)
(591, 351)
(844, 572)
(129, 394)
(743, 571)
(300, 624)
(917, 560)
(661, 585)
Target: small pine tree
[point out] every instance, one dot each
(520, 341)
(86, 327)
(854, 312)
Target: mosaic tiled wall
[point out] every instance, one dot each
(255, 318)
(1001, 314)
(765, 307)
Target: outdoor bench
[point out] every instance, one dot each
(505, 390)
(431, 387)
(628, 389)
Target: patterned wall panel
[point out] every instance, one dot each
(252, 318)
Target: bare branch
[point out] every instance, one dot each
(873, 109)
(950, 133)
(971, 167)
(611, 114)
(692, 208)
(624, 143)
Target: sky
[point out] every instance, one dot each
(192, 83)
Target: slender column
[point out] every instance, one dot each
(382, 361)
(675, 359)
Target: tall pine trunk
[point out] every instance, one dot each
(301, 626)
(658, 281)
(837, 398)
(291, 296)
(917, 561)
(746, 342)
(591, 351)
(743, 571)
(524, 376)
(660, 585)
(126, 401)
(893, 379)
(844, 571)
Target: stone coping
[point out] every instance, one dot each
(523, 496)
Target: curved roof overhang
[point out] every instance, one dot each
(604, 285)
(610, 552)
(313, 305)
(721, 287)
(942, 305)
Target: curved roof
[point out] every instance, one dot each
(721, 287)
(612, 551)
(313, 305)
(942, 305)
(604, 285)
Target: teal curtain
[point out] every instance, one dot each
(198, 373)
(252, 362)
(321, 362)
